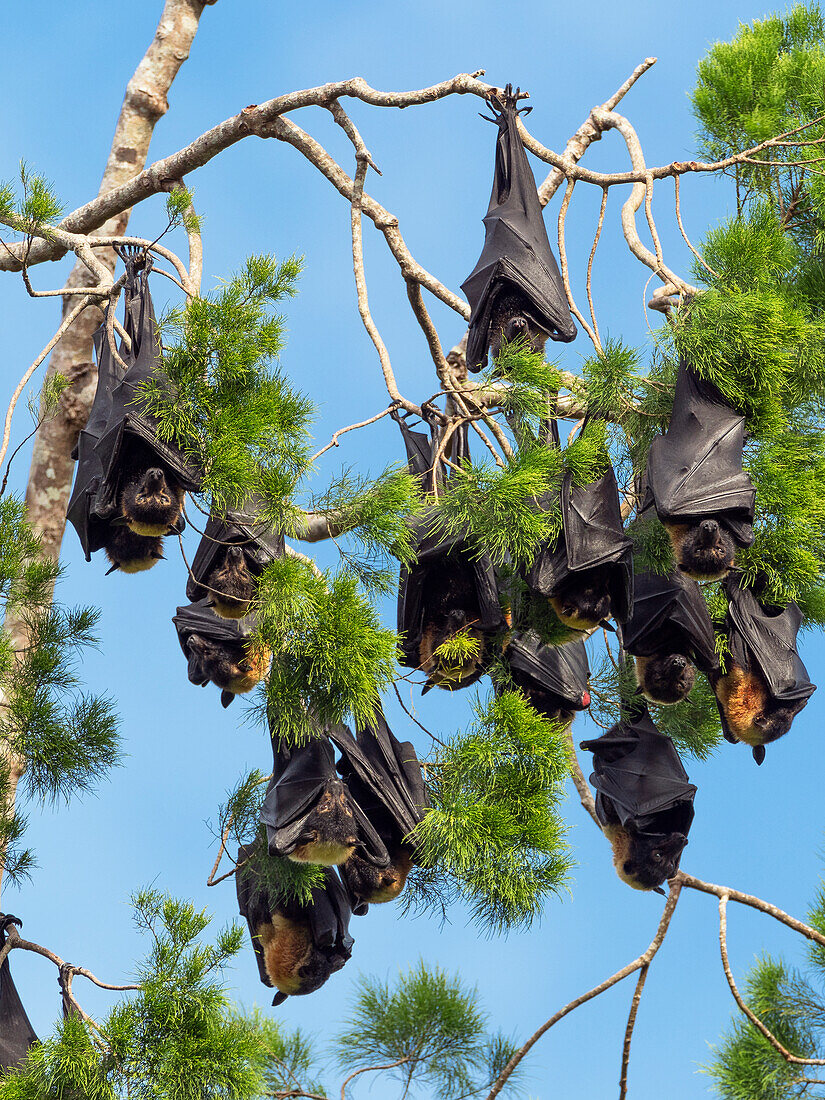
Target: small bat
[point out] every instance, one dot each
(765, 684)
(515, 288)
(586, 573)
(232, 554)
(16, 1032)
(143, 478)
(219, 651)
(644, 801)
(309, 814)
(553, 678)
(670, 634)
(383, 775)
(449, 589)
(696, 482)
(297, 947)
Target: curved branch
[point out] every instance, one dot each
(643, 960)
(737, 996)
(755, 903)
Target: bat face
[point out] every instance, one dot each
(330, 833)
(232, 585)
(131, 553)
(293, 963)
(704, 549)
(231, 667)
(583, 600)
(151, 498)
(643, 861)
(665, 677)
(751, 714)
(377, 884)
(510, 321)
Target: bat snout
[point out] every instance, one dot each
(153, 478)
(234, 555)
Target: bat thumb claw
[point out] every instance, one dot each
(112, 568)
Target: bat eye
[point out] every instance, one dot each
(656, 855)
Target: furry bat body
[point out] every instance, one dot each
(670, 634)
(450, 606)
(765, 684)
(644, 801)
(695, 479)
(151, 497)
(383, 775)
(515, 288)
(131, 553)
(297, 947)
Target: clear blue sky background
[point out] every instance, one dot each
(756, 829)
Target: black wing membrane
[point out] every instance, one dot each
(16, 1032)
(383, 774)
(592, 536)
(242, 527)
(91, 529)
(552, 677)
(301, 776)
(516, 251)
(695, 469)
(670, 610)
(327, 913)
(129, 422)
(640, 777)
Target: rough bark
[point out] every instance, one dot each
(52, 468)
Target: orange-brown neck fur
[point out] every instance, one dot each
(287, 948)
(743, 696)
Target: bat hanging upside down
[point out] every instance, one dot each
(451, 608)
(236, 669)
(294, 965)
(512, 320)
(329, 834)
(751, 714)
(665, 678)
(704, 549)
(151, 498)
(231, 584)
(373, 884)
(641, 860)
(582, 601)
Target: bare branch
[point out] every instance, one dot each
(631, 968)
(372, 1069)
(579, 782)
(737, 996)
(706, 266)
(631, 1022)
(590, 265)
(351, 428)
(568, 195)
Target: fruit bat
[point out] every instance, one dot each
(125, 550)
(553, 678)
(696, 481)
(233, 552)
(586, 574)
(383, 775)
(670, 634)
(449, 589)
(309, 814)
(644, 801)
(297, 947)
(144, 478)
(765, 684)
(218, 651)
(515, 288)
(16, 1032)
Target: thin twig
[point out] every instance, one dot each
(705, 265)
(413, 717)
(372, 1069)
(568, 194)
(631, 968)
(628, 1034)
(590, 264)
(579, 782)
(351, 427)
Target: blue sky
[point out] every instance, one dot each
(756, 829)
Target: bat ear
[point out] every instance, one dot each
(659, 890)
(121, 521)
(605, 625)
(178, 527)
(759, 753)
(430, 684)
(112, 568)
(227, 697)
(279, 998)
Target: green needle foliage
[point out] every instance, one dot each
(494, 836)
(67, 736)
(427, 1028)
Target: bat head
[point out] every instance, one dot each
(375, 885)
(232, 667)
(646, 860)
(294, 965)
(704, 549)
(330, 834)
(665, 677)
(582, 601)
(232, 584)
(151, 499)
(131, 553)
(444, 669)
(511, 320)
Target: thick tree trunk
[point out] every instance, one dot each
(52, 468)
